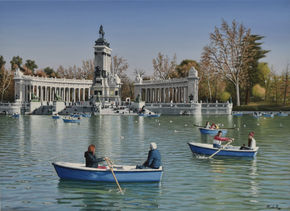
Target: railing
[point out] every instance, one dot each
(174, 80)
(60, 80)
(176, 105)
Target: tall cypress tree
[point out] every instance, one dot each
(253, 75)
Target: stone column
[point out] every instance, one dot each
(69, 95)
(84, 96)
(74, 95)
(79, 94)
(63, 94)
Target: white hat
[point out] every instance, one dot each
(153, 145)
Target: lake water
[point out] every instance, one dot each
(30, 144)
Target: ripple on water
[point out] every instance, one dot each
(28, 180)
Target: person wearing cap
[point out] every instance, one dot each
(218, 139)
(251, 142)
(153, 160)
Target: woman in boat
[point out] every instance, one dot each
(214, 126)
(217, 141)
(251, 142)
(91, 160)
(154, 158)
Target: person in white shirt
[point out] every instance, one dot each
(251, 142)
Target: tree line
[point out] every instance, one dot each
(229, 69)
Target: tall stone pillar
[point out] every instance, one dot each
(79, 94)
(74, 95)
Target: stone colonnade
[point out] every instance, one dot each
(177, 90)
(28, 88)
(177, 94)
(52, 93)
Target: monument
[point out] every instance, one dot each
(106, 84)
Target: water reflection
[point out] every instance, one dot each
(90, 195)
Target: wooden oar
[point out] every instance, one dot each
(198, 125)
(111, 168)
(220, 149)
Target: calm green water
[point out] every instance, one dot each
(29, 144)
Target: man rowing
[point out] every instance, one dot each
(218, 139)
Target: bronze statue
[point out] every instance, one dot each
(101, 32)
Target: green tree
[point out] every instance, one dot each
(181, 70)
(255, 71)
(16, 62)
(258, 91)
(225, 96)
(2, 62)
(30, 64)
(49, 72)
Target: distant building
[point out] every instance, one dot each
(105, 86)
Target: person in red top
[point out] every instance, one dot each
(217, 141)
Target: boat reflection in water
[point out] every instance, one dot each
(90, 195)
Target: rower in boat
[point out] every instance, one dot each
(251, 142)
(217, 141)
(91, 160)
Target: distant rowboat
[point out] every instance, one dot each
(15, 116)
(282, 114)
(211, 131)
(55, 116)
(268, 115)
(78, 171)
(237, 114)
(65, 120)
(234, 151)
(86, 115)
(150, 115)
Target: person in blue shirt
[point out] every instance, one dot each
(91, 160)
(154, 158)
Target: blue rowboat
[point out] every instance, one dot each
(268, 115)
(282, 114)
(15, 115)
(75, 115)
(237, 114)
(71, 120)
(55, 116)
(78, 171)
(150, 115)
(211, 131)
(86, 115)
(233, 151)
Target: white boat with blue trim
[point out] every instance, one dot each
(234, 151)
(78, 171)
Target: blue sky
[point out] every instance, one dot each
(57, 33)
